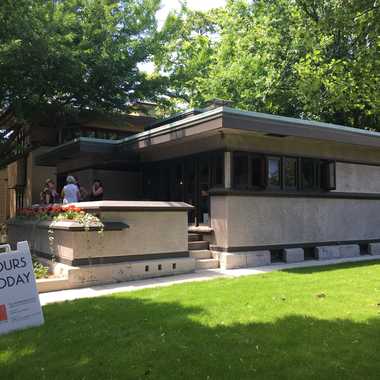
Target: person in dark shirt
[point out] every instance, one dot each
(49, 194)
(97, 191)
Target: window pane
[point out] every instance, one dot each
(241, 170)
(308, 173)
(290, 172)
(218, 167)
(274, 172)
(327, 175)
(258, 171)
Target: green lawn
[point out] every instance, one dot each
(320, 323)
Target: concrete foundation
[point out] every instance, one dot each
(243, 259)
(78, 277)
(337, 251)
(293, 255)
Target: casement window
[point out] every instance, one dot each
(309, 174)
(258, 172)
(274, 172)
(217, 169)
(241, 170)
(328, 175)
(249, 171)
(290, 169)
(255, 171)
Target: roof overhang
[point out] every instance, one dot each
(76, 149)
(225, 119)
(216, 121)
(287, 126)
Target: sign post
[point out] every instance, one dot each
(19, 302)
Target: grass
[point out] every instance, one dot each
(319, 323)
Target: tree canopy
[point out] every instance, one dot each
(317, 59)
(61, 56)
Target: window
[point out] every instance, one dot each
(328, 175)
(290, 173)
(309, 173)
(217, 168)
(258, 171)
(240, 170)
(274, 172)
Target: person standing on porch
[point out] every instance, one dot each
(70, 192)
(97, 191)
(49, 194)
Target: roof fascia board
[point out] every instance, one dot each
(284, 120)
(173, 127)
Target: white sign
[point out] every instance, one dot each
(19, 302)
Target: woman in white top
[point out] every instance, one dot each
(70, 192)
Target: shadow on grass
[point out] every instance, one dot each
(134, 338)
(334, 267)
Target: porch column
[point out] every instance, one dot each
(228, 170)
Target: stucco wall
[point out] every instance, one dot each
(357, 178)
(265, 220)
(149, 233)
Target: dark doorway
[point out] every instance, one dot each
(188, 179)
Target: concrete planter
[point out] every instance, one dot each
(140, 240)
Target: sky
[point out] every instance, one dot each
(168, 5)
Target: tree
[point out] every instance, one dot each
(315, 59)
(59, 57)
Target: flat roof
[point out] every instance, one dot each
(232, 120)
(266, 124)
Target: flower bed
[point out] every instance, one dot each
(60, 213)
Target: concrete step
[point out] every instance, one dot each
(201, 254)
(197, 245)
(207, 264)
(195, 237)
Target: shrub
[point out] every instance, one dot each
(40, 270)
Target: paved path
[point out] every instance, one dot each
(101, 290)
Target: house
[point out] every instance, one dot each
(263, 188)
(260, 184)
(21, 180)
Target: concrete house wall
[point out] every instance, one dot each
(245, 222)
